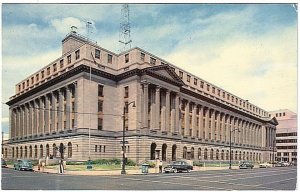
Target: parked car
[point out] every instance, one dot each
(246, 165)
(178, 166)
(23, 164)
(286, 164)
(265, 165)
(280, 164)
(3, 163)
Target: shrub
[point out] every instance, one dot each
(151, 164)
(199, 164)
(130, 162)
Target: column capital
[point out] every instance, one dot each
(158, 87)
(145, 83)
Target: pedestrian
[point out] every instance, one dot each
(43, 166)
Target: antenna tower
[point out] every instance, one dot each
(124, 34)
(88, 29)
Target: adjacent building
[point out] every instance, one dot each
(76, 103)
(286, 135)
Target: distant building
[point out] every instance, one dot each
(286, 135)
(177, 115)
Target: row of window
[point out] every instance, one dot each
(286, 134)
(100, 148)
(109, 56)
(286, 141)
(286, 154)
(287, 147)
(48, 71)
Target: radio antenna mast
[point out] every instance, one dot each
(124, 33)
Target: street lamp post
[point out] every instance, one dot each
(274, 143)
(123, 141)
(230, 146)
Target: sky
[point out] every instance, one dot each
(249, 50)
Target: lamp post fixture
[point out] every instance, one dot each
(123, 141)
(274, 144)
(230, 145)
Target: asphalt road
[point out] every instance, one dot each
(277, 178)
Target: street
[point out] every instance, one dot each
(277, 178)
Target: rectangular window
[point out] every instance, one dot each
(27, 84)
(207, 87)
(195, 81)
(180, 74)
(95, 148)
(100, 123)
(283, 114)
(201, 84)
(100, 106)
(73, 106)
(42, 74)
(142, 56)
(97, 53)
(223, 94)
(77, 54)
(126, 58)
(126, 92)
(48, 71)
(100, 90)
(69, 59)
(219, 92)
(236, 100)
(228, 97)
(152, 61)
(213, 90)
(37, 77)
(61, 63)
(32, 80)
(109, 58)
(188, 78)
(232, 98)
(54, 67)
(23, 85)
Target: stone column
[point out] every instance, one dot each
(187, 119)
(228, 128)
(152, 108)
(212, 125)
(26, 120)
(177, 113)
(223, 128)
(36, 118)
(68, 108)
(31, 122)
(168, 108)
(76, 105)
(146, 95)
(60, 110)
(163, 112)
(11, 123)
(22, 121)
(46, 113)
(207, 124)
(53, 113)
(157, 107)
(201, 127)
(194, 130)
(218, 126)
(41, 116)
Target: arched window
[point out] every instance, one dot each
(54, 149)
(205, 154)
(184, 153)
(5, 152)
(199, 153)
(240, 156)
(30, 151)
(212, 154)
(217, 154)
(41, 151)
(152, 151)
(35, 151)
(69, 150)
(227, 155)
(47, 151)
(174, 147)
(192, 153)
(164, 152)
(236, 155)
(17, 152)
(25, 154)
(244, 156)
(13, 152)
(21, 152)
(222, 155)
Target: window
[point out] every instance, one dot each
(77, 54)
(223, 94)
(126, 58)
(109, 58)
(219, 92)
(100, 123)
(100, 90)
(180, 74)
(207, 87)
(37, 77)
(228, 97)
(69, 59)
(142, 56)
(201, 84)
(54, 67)
(195, 81)
(97, 53)
(232, 98)
(213, 90)
(23, 85)
(61, 63)
(126, 92)
(42, 74)
(283, 114)
(32, 80)
(188, 78)
(152, 61)
(48, 71)
(27, 84)
(100, 106)
(236, 100)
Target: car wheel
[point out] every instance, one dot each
(175, 170)
(188, 170)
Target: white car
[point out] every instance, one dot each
(265, 165)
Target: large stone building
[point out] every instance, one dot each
(286, 135)
(77, 102)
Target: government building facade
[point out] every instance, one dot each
(77, 102)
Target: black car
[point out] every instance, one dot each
(178, 166)
(246, 165)
(3, 163)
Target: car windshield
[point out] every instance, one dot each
(177, 163)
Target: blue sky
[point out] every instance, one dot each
(249, 50)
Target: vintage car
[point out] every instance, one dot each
(178, 166)
(3, 163)
(23, 164)
(265, 165)
(246, 165)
